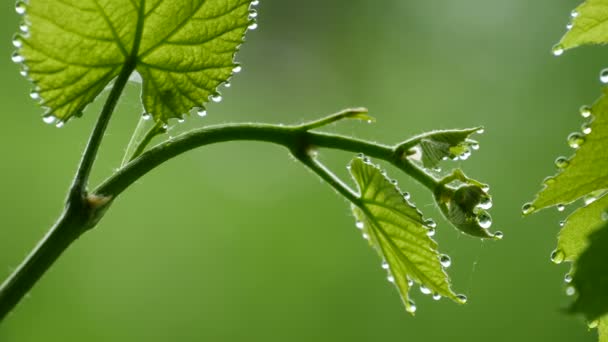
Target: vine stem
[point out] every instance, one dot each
(83, 210)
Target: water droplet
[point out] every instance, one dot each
(562, 223)
(561, 162)
(59, 124)
(436, 296)
(237, 69)
(17, 58)
(586, 128)
(181, 120)
(430, 232)
(558, 256)
(430, 223)
(253, 14)
(385, 265)
(585, 111)
(359, 225)
(589, 199)
(201, 112)
(569, 26)
(49, 119)
(499, 235)
(411, 306)
(146, 116)
(549, 180)
(475, 146)
(574, 14)
(557, 50)
(568, 278)
(465, 154)
(570, 291)
(366, 160)
(527, 208)
(593, 324)
(365, 236)
(425, 290)
(35, 95)
(390, 279)
(255, 2)
(227, 84)
(485, 203)
(20, 7)
(252, 26)
(406, 196)
(166, 127)
(394, 181)
(360, 155)
(575, 140)
(216, 98)
(484, 220)
(410, 282)
(23, 72)
(462, 298)
(480, 131)
(445, 260)
(17, 42)
(604, 76)
(485, 188)
(561, 207)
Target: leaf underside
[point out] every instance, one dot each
(72, 49)
(439, 145)
(397, 231)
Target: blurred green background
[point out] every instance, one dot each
(237, 242)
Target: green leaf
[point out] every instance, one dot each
(183, 50)
(602, 329)
(591, 276)
(587, 171)
(398, 232)
(452, 144)
(589, 26)
(584, 221)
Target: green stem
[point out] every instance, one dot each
(288, 136)
(157, 129)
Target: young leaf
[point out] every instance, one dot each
(591, 277)
(183, 50)
(589, 26)
(587, 170)
(452, 144)
(396, 229)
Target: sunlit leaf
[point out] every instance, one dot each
(183, 50)
(585, 172)
(589, 26)
(398, 232)
(452, 144)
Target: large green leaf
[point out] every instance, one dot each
(585, 172)
(589, 26)
(183, 50)
(398, 232)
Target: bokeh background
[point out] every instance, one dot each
(237, 242)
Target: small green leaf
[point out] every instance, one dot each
(398, 232)
(591, 276)
(589, 26)
(587, 171)
(452, 144)
(183, 50)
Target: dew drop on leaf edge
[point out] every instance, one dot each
(201, 112)
(604, 76)
(527, 208)
(585, 111)
(445, 260)
(49, 119)
(462, 298)
(558, 256)
(557, 50)
(561, 162)
(576, 140)
(436, 296)
(20, 7)
(359, 225)
(425, 290)
(567, 278)
(499, 235)
(411, 307)
(484, 220)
